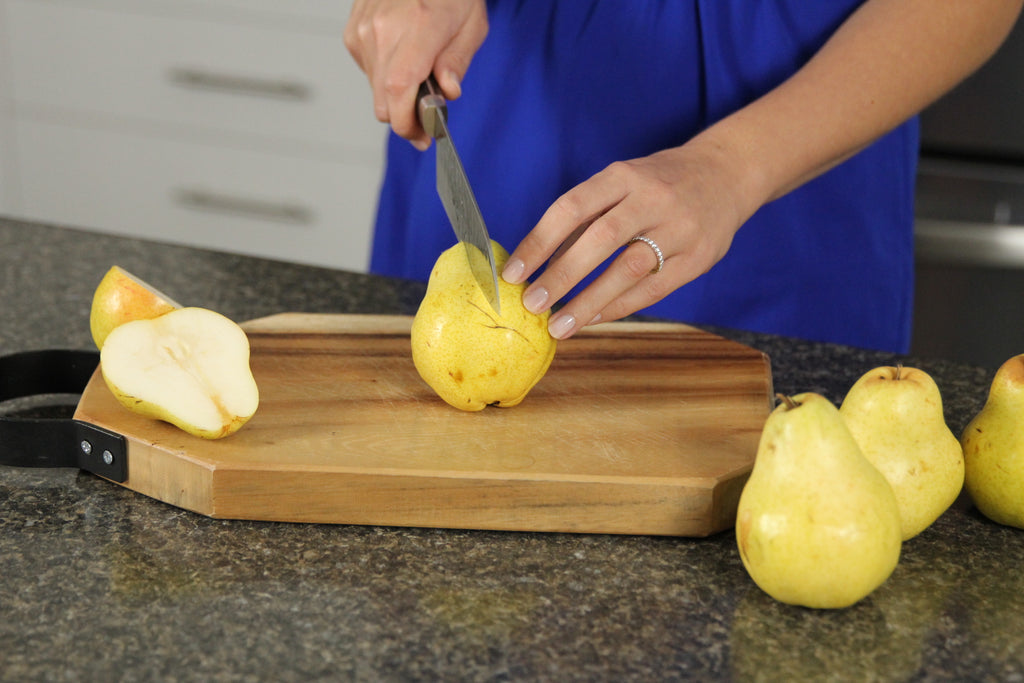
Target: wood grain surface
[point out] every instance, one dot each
(637, 428)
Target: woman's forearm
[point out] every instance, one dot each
(887, 62)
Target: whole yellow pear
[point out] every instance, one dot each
(895, 414)
(817, 525)
(468, 354)
(993, 444)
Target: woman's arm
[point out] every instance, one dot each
(888, 61)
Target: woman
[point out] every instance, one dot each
(764, 151)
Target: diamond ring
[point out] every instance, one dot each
(657, 251)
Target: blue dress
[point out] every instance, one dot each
(561, 89)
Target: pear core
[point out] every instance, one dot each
(467, 353)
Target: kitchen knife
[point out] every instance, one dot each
(455, 192)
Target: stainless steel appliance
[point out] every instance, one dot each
(969, 232)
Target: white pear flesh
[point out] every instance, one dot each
(189, 367)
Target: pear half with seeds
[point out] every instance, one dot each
(189, 367)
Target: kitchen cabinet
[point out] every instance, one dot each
(5, 116)
(237, 126)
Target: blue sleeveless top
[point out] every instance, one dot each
(561, 89)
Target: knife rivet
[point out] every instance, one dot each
(86, 447)
(108, 458)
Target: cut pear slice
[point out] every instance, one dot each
(189, 367)
(121, 297)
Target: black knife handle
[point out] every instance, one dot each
(56, 442)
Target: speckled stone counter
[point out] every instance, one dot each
(98, 583)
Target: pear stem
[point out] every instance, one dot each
(899, 370)
(790, 403)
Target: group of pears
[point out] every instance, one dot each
(834, 492)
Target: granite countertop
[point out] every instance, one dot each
(100, 583)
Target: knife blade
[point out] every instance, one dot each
(456, 194)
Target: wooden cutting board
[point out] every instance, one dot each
(637, 428)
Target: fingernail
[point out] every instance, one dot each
(595, 320)
(513, 271)
(536, 300)
(560, 326)
(421, 145)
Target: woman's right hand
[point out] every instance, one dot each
(398, 43)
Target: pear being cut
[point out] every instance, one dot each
(467, 353)
(189, 367)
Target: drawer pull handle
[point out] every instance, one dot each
(988, 245)
(200, 79)
(206, 200)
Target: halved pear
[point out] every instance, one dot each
(121, 297)
(189, 367)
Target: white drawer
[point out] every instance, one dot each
(285, 207)
(73, 61)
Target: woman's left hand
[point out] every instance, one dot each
(686, 200)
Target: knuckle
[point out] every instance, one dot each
(621, 170)
(561, 279)
(394, 85)
(348, 37)
(636, 263)
(607, 232)
(658, 288)
(568, 207)
(378, 25)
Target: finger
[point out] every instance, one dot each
(400, 88)
(576, 208)
(453, 62)
(605, 235)
(351, 35)
(396, 59)
(573, 237)
(677, 271)
(630, 271)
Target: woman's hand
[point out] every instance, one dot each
(687, 200)
(398, 43)
(888, 60)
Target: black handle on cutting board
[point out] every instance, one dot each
(56, 442)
